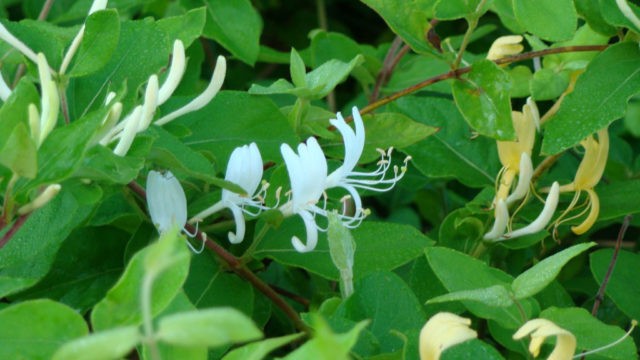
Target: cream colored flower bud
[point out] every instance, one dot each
(442, 331)
(505, 46)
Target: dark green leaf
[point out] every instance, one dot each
(624, 285)
(101, 35)
(458, 9)
(186, 27)
(552, 20)
(600, 96)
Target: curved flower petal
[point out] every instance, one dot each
(442, 331)
(166, 201)
(240, 226)
(539, 329)
(312, 233)
(500, 222)
(543, 219)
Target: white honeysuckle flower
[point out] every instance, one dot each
(49, 193)
(501, 214)
(150, 103)
(50, 100)
(245, 170)
(75, 44)
(350, 180)
(205, 97)
(17, 44)
(176, 71)
(308, 174)
(524, 179)
(167, 203)
(5, 90)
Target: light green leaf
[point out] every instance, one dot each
(618, 199)
(105, 345)
(14, 110)
(399, 244)
(297, 70)
(591, 333)
(213, 327)
(259, 349)
(546, 84)
(483, 99)
(497, 295)
(341, 244)
(552, 20)
(19, 152)
(326, 344)
(590, 11)
(476, 275)
(101, 35)
(543, 273)
(35, 329)
(458, 9)
(240, 36)
(612, 14)
(121, 306)
(624, 284)
(408, 19)
(600, 96)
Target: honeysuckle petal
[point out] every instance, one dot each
(166, 201)
(594, 211)
(312, 233)
(49, 193)
(10, 39)
(240, 226)
(50, 100)
(525, 129)
(205, 97)
(539, 329)
(505, 46)
(594, 161)
(353, 146)
(442, 331)
(5, 90)
(524, 180)
(543, 219)
(176, 71)
(150, 103)
(501, 214)
(245, 168)
(129, 132)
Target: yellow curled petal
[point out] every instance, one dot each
(505, 46)
(539, 329)
(442, 331)
(594, 211)
(594, 161)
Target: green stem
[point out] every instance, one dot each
(473, 23)
(147, 316)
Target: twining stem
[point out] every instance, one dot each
(460, 71)
(387, 67)
(472, 21)
(239, 268)
(612, 265)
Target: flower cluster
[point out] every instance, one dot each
(309, 177)
(444, 330)
(515, 157)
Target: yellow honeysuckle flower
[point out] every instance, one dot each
(505, 46)
(540, 329)
(587, 177)
(515, 157)
(442, 331)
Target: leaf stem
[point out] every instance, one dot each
(147, 317)
(238, 267)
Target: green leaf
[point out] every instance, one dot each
(318, 83)
(326, 344)
(19, 152)
(298, 71)
(618, 199)
(186, 27)
(213, 327)
(100, 163)
(458, 9)
(42, 37)
(590, 11)
(497, 295)
(111, 344)
(121, 306)
(399, 243)
(591, 333)
(83, 270)
(483, 99)
(600, 96)
(552, 20)
(236, 118)
(624, 285)
(408, 19)
(449, 153)
(240, 36)
(101, 35)
(35, 329)
(543, 273)
(546, 84)
(124, 67)
(391, 305)
(476, 275)
(259, 349)
(472, 349)
(28, 256)
(14, 111)
(612, 14)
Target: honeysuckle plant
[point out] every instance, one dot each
(128, 128)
